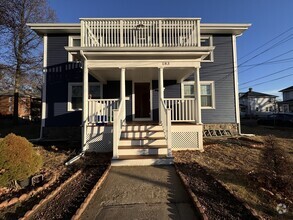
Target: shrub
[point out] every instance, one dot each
(18, 159)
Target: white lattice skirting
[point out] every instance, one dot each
(187, 137)
(100, 139)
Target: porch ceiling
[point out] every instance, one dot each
(140, 74)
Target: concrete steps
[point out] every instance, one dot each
(142, 145)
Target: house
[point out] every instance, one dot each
(256, 104)
(287, 104)
(27, 107)
(147, 86)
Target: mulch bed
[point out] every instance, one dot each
(69, 199)
(217, 202)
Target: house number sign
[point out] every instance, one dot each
(166, 63)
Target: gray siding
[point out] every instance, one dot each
(56, 52)
(221, 72)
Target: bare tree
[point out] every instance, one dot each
(20, 45)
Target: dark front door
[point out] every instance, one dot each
(142, 100)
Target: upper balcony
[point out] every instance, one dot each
(140, 33)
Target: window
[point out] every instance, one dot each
(73, 41)
(75, 93)
(207, 92)
(207, 41)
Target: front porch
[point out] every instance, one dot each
(145, 116)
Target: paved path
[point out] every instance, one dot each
(151, 192)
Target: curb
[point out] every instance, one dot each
(193, 197)
(29, 213)
(26, 196)
(89, 197)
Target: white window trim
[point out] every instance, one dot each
(212, 83)
(70, 84)
(211, 45)
(70, 44)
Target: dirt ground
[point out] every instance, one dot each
(257, 170)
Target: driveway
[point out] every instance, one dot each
(150, 192)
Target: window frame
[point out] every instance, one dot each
(211, 83)
(69, 97)
(70, 44)
(210, 37)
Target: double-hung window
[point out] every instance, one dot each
(73, 41)
(207, 93)
(75, 93)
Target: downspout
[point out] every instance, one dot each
(77, 157)
(237, 111)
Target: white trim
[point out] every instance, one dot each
(210, 37)
(133, 101)
(70, 44)
(212, 83)
(70, 84)
(44, 92)
(236, 90)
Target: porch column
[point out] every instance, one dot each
(122, 90)
(161, 89)
(197, 95)
(85, 103)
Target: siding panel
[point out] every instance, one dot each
(56, 52)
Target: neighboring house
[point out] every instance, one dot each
(287, 104)
(26, 105)
(256, 104)
(147, 86)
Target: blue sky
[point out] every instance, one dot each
(269, 18)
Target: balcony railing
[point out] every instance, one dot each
(140, 32)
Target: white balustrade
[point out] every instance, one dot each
(166, 124)
(101, 110)
(181, 109)
(119, 118)
(140, 32)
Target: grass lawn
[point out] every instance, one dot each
(258, 172)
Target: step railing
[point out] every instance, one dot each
(101, 110)
(165, 116)
(182, 110)
(119, 118)
(145, 32)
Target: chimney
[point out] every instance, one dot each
(250, 89)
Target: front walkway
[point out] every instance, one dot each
(150, 192)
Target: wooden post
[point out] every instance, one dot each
(85, 103)
(122, 91)
(161, 90)
(197, 95)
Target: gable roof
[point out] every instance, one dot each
(287, 89)
(257, 94)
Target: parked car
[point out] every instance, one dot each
(277, 119)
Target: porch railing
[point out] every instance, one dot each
(101, 110)
(119, 118)
(165, 116)
(181, 109)
(146, 32)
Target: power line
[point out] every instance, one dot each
(266, 43)
(271, 62)
(279, 55)
(273, 46)
(274, 73)
(268, 81)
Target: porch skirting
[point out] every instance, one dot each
(187, 136)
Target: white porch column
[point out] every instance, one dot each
(122, 90)
(197, 94)
(161, 89)
(44, 89)
(85, 103)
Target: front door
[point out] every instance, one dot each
(142, 101)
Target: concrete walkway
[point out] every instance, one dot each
(151, 192)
